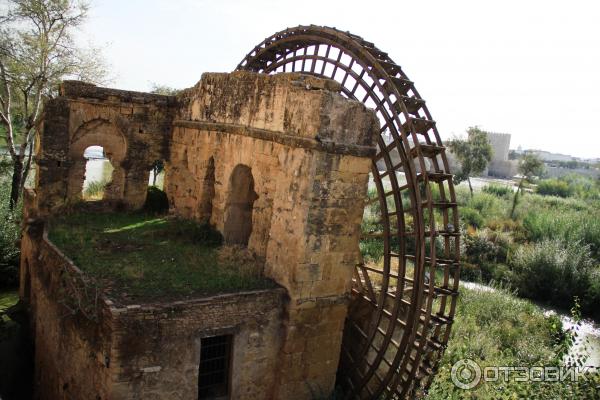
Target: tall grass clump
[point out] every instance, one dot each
(554, 187)
(471, 217)
(498, 190)
(570, 226)
(555, 271)
(489, 206)
(95, 190)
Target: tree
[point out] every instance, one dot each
(157, 88)
(157, 167)
(473, 153)
(37, 51)
(530, 166)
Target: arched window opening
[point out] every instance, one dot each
(238, 207)
(98, 174)
(157, 174)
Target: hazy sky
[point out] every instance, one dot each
(529, 68)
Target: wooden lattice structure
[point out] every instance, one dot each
(402, 310)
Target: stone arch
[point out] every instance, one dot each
(238, 207)
(97, 132)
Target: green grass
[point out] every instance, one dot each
(136, 256)
(495, 328)
(8, 299)
(95, 190)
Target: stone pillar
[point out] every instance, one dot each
(114, 188)
(76, 179)
(51, 157)
(312, 252)
(136, 187)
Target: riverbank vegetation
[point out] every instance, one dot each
(549, 251)
(494, 328)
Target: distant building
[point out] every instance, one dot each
(548, 156)
(500, 166)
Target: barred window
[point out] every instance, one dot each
(214, 371)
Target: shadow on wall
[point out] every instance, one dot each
(238, 207)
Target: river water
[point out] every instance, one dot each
(100, 170)
(588, 331)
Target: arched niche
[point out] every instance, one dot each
(239, 205)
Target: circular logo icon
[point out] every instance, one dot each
(466, 374)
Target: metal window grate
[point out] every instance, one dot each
(213, 374)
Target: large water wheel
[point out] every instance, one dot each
(403, 306)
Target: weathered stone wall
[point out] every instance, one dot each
(134, 129)
(149, 351)
(71, 353)
(308, 151)
(304, 155)
(157, 347)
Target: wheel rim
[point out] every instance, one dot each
(394, 350)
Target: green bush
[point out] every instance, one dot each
(471, 217)
(495, 328)
(486, 252)
(555, 271)
(9, 234)
(157, 201)
(570, 226)
(498, 190)
(585, 187)
(554, 187)
(371, 249)
(488, 205)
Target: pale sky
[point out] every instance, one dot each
(529, 68)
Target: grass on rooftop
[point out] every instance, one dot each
(138, 256)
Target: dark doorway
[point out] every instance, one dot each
(238, 208)
(214, 371)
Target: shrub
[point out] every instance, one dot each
(157, 201)
(485, 252)
(471, 217)
(554, 187)
(498, 190)
(569, 226)
(554, 271)
(371, 249)
(488, 205)
(9, 234)
(463, 196)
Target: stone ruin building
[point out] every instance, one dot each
(278, 160)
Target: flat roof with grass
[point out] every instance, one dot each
(136, 256)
